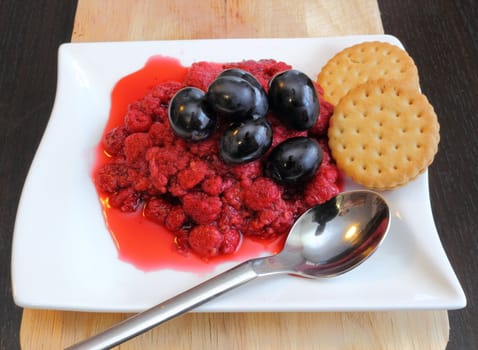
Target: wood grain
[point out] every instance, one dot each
(424, 330)
(182, 19)
(113, 20)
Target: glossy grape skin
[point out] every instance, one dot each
(240, 73)
(294, 100)
(232, 98)
(246, 141)
(188, 117)
(261, 105)
(294, 160)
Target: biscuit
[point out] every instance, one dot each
(364, 62)
(383, 134)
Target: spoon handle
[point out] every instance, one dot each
(170, 308)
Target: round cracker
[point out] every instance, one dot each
(364, 62)
(383, 134)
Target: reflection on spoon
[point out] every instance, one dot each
(327, 240)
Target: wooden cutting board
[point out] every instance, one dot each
(114, 20)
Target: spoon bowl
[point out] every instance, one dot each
(327, 240)
(336, 236)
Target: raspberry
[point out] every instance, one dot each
(322, 125)
(137, 121)
(282, 133)
(262, 194)
(114, 140)
(161, 134)
(212, 185)
(231, 241)
(263, 70)
(205, 148)
(247, 171)
(193, 174)
(326, 158)
(319, 190)
(149, 104)
(319, 89)
(136, 145)
(111, 177)
(270, 223)
(181, 241)
(125, 200)
(201, 208)
(157, 210)
(233, 196)
(175, 219)
(201, 74)
(206, 240)
(230, 217)
(164, 162)
(165, 91)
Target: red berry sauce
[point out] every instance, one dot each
(170, 203)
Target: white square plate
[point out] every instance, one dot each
(64, 258)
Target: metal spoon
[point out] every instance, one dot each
(327, 240)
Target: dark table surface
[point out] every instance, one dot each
(442, 37)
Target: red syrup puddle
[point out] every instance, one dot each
(140, 242)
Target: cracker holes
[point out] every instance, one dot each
(411, 101)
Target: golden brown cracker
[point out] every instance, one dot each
(383, 134)
(363, 62)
